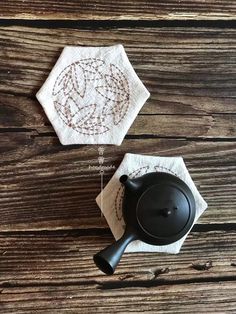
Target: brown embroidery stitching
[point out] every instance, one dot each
(165, 169)
(72, 86)
(116, 84)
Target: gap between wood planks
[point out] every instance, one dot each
(112, 24)
(37, 133)
(106, 231)
(159, 282)
(109, 284)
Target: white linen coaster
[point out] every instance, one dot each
(92, 95)
(135, 165)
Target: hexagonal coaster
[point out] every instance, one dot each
(134, 165)
(92, 95)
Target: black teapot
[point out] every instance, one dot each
(158, 209)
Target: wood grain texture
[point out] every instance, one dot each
(47, 186)
(50, 225)
(186, 70)
(216, 297)
(26, 113)
(192, 81)
(66, 258)
(122, 10)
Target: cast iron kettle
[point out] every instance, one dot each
(158, 208)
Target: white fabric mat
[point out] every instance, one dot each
(110, 199)
(92, 95)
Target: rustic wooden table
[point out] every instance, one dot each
(50, 226)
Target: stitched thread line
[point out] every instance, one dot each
(115, 91)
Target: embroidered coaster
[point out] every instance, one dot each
(92, 95)
(134, 166)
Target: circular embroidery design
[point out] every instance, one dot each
(90, 96)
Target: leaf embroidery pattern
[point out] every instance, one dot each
(74, 86)
(117, 94)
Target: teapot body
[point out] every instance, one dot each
(161, 201)
(158, 208)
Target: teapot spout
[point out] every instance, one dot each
(107, 259)
(130, 184)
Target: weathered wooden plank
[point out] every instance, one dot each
(187, 70)
(196, 298)
(29, 114)
(66, 258)
(211, 126)
(122, 10)
(47, 186)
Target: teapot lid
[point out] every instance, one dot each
(165, 212)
